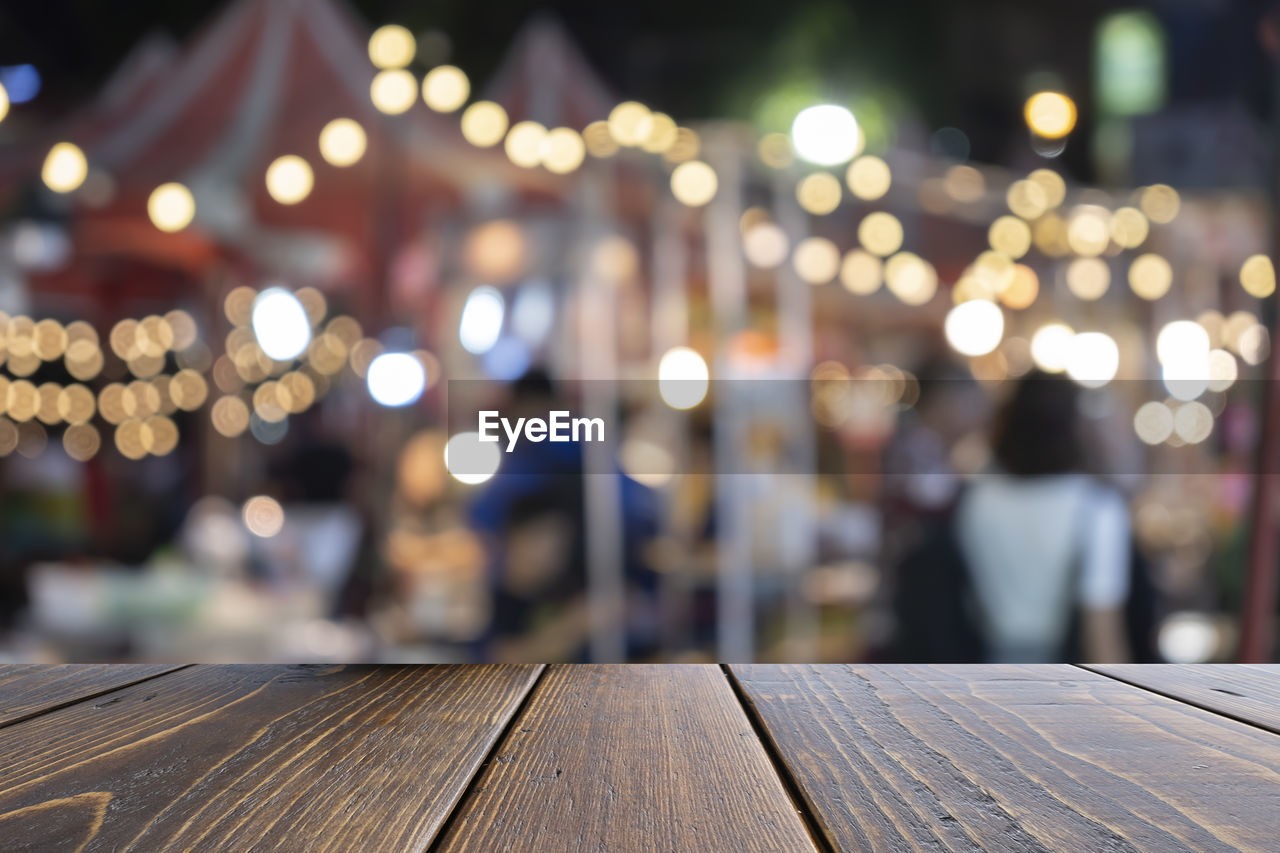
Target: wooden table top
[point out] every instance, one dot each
(621, 758)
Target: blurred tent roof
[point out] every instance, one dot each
(257, 82)
(545, 78)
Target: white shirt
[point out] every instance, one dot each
(1023, 537)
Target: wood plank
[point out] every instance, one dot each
(1014, 758)
(256, 757)
(30, 689)
(1250, 693)
(629, 758)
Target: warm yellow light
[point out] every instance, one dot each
(1050, 114)
(524, 143)
(816, 260)
(1258, 276)
(1055, 189)
(629, 122)
(1050, 235)
(598, 139)
(1129, 227)
(861, 272)
(1160, 202)
(1027, 199)
(1089, 230)
(910, 278)
(818, 193)
(1022, 290)
(880, 233)
(869, 177)
(342, 142)
(964, 183)
(392, 46)
(1150, 276)
(171, 207)
(563, 150)
(65, 168)
(694, 183)
(4, 102)
(445, 88)
(1193, 422)
(765, 245)
(775, 150)
(289, 179)
(1088, 278)
(685, 148)
(1049, 347)
(1010, 235)
(662, 134)
(393, 91)
(484, 123)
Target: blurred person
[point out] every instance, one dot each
(531, 516)
(1034, 564)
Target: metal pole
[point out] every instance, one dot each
(1258, 607)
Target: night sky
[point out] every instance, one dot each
(955, 63)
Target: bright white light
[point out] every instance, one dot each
(280, 324)
(826, 134)
(974, 327)
(1183, 342)
(470, 460)
(481, 321)
(396, 379)
(1188, 638)
(1049, 347)
(1092, 359)
(683, 378)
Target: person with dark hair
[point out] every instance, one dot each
(1046, 545)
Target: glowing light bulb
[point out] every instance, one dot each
(396, 379)
(825, 134)
(280, 324)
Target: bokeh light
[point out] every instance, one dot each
(869, 177)
(861, 272)
(391, 46)
(289, 179)
(481, 320)
(65, 168)
(396, 379)
(393, 91)
(694, 183)
(445, 88)
(683, 378)
(280, 324)
(1051, 115)
(818, 193)
(1150, 276)
(816, 260)
(342, 142)
(1258, 276)
(484, 124)
(825, 134)
(1092, 359)
(1049, 346)
(171, 207)
(524, 143)
(766, 245)
(880, 233)
(975, 327)
(263, 516)
(471, 461)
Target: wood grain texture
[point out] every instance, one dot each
(256, 757)
(652, 758)
(1250, 693)
(1014, 758)
(30, 689)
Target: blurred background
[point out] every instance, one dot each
(922, 331)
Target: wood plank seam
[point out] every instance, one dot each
(789, 782)
(92, 696)
(1220, 712)
(447, 824)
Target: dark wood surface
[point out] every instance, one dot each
(628, 758)
(255, 757)
(1014, 758)
(750, 757)
(29, 689)
(1249, 693)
